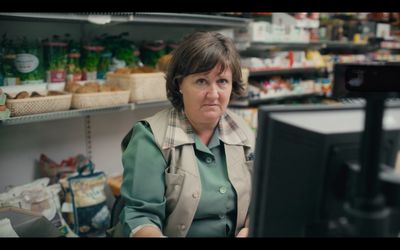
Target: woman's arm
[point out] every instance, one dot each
(243, 233)
(143, 186)
(148, 231)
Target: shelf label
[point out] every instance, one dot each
(26, 63)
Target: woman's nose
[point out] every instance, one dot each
(212, 91)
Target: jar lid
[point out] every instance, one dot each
(56, 44)
(93, 48)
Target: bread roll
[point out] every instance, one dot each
(105, 88)
(162, 63)
(72, 87)
(22, 95)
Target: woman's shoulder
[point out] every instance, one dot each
(240, 122)
(242, 125)
(141, 127)
(160, 115)
(156, 124)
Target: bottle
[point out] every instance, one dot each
(74, 72)
(29, 62)
(8, 63)
(55, 58)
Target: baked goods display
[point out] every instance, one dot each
(134, 70)
(25, 94)
(90, 87)
(143, 87)
(93, 94)
(25, 103)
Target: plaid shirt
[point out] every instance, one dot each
(180, 132)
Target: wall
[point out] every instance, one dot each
(21, 145)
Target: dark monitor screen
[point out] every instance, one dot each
(339, 90)
(298, 182)
(338, 87)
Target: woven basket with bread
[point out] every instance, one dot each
(93, 95)
(24, 103)
(145, 83)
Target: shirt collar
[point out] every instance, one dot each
(214, 142)
(230, 132)
(180, 132)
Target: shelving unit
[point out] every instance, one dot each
(336, 46)
(331, 45)
(80, 113)
(133, 17)
(254, 102)
(284, 71)
(259, 46)
(257, 73)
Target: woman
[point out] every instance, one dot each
(187, 169)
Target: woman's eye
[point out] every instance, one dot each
(201, 82)
(223, 82)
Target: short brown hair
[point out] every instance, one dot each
(201, 52)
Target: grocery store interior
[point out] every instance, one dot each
(73, 84)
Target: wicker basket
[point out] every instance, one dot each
(37, 105)
(143, 86)
(99, 99)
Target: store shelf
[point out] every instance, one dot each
(79, 113)
(191, 19)
(257, 46)
(136, 17)
(390, 45)
(347, 17)
(267, 100)
(336, 45)
(260, 46)
(150, 104)
(283, 71)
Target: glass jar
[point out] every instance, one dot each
(104, 65)
(90, 61)
(29, 62)
(9, 70)
(55, 58)
(74, 72)
(150, 52)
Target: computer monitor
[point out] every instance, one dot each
(338, 87)
(299, 176)
(388, 70)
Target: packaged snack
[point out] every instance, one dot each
(91, 214)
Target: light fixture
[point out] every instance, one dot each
(99, 19)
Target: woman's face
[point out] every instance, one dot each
(206, 95)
